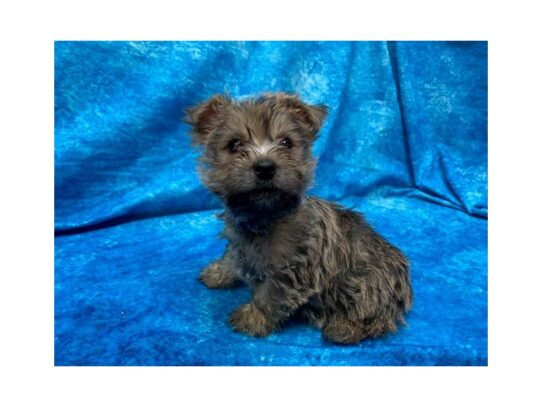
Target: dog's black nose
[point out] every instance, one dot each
(265, 169)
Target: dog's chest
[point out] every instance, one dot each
(261, 256)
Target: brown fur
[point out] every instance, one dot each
(299, 254)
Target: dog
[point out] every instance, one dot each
(300, 255)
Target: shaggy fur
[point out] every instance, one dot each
(300, 255)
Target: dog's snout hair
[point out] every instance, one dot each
(262, 150)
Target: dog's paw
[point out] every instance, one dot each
(215, 276)
(340, 330)
(250, 320)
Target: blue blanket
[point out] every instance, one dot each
(405, 143)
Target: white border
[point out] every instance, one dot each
(28, 32)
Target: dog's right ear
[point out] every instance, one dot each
(205, 117)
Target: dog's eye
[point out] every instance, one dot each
(233, 145)
(286, 142)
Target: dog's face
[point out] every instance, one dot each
(257, 153)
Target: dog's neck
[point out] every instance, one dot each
(254, 223)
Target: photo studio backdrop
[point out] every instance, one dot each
(405, 143)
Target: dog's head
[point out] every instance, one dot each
(257, 153)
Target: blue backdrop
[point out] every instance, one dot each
(405, 143)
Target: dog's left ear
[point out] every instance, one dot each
(312, 116)
(205, 117)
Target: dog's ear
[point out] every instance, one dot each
(312, 116)
(205, 117)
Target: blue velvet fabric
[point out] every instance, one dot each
(405, 143)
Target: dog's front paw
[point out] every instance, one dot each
(217, 276)
(250, 320)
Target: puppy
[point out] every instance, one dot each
(300, 255)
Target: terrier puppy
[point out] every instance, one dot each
(299, 255)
